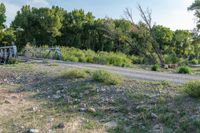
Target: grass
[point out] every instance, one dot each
(192, 88)
(89, 56)
(130, 105)
(76, 73)
(101, 76)
(106, 77)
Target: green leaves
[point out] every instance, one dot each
(2, 15)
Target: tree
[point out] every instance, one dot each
(195, 7)
(41, 25)
(163, 36)
(2, 15)
(183, 40)
(146, 16)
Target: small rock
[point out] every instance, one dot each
(61, 125)
(81, 95)
(35, 108)
(56, 96)
(154, 116)
(14, 97)
(166, 66)
(86, 92)
(92, 110)
(77, 100)
(111, 124)
(157, 129)
(33, 131)
(58, 92)
(7, 102)
(50, 119)
(82, 109)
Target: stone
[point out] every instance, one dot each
(154, 116)
(92, 110)
(166, 66)
(86, 92)
(82, 109)
(157, 129)
(111, 124)
(35, 108)
(33, 131)
(7, 102)
(56, 96)
(61, 125)
(14, 97)
(58, 92)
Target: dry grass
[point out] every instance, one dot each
(40, 98)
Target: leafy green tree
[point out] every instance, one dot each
(2, 15)
(41, 25)
(195, 7)
(163, 36)
(183, 43)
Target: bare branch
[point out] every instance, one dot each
(146, 16)
(129, 15)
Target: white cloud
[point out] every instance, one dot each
(13, 7)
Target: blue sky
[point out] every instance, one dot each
(171, 13)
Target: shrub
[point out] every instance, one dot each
(76, 73)
(171, 59)
(195, 61)
(12, 61)
(137, 59)
(192, 88)
(155, 67)
(105, 58)
(185, 70)
(106, 77)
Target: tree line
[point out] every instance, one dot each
(57, 27)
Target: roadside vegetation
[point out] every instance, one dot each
(119, 42)
(105, 58)
(192, 88)
(184, 70)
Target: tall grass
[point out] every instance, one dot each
(89, 56)
(106, 58)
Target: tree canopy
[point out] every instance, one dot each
(57, 27)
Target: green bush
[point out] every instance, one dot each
(137, 59)
(155, 67)
(185, 70)
(171, 59)
(192, 88)
(195, 61)
(12, 61)
(106, 77)
(76, 73)
(106, 58)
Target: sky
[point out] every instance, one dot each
(170, 13)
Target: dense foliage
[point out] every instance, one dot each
(193, 88)
(55, 26)
(184, 70)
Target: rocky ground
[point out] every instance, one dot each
(34, 97)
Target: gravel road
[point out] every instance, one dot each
(130, 72)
